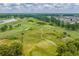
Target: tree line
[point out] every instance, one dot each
(67, 25)
(5, 27)
(52, 20)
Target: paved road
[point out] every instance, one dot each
(7, 21)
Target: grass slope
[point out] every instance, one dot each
(39, 37)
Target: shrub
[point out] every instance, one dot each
(4, 50)
(65, 33)
(3, 28)
(15, 49)
(41, 23)
(10, 27)
(30, 20)
(12, 37)
(69, 49)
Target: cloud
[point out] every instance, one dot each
(39, 7)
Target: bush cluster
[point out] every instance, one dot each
(15, 49)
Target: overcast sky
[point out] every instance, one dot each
(39, 8)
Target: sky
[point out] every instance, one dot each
(39, 7)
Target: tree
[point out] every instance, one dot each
(73, 27)
(10, 27)
(3, 28)
(58, 22)
(62, 23)
(68, 25)
(76, 24)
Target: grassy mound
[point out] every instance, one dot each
(39, 38)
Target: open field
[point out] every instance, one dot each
(39, 38)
